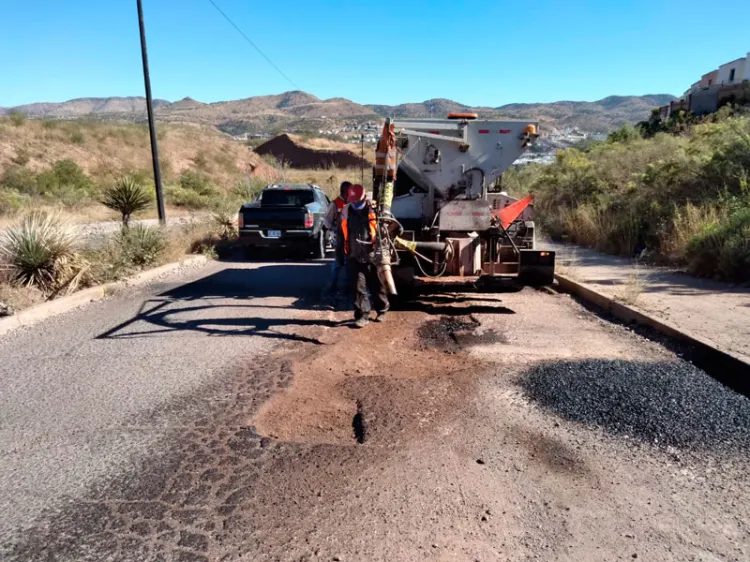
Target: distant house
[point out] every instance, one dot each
(709, 79)
(734, 72)
(724, 85)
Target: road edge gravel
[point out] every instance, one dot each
(733, 368)
(45, 310)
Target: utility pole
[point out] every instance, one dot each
(151, 125)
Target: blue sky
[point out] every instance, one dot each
(479, 53)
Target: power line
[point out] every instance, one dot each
(226, 17)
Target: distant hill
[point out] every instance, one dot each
(598, 116)
(300, 111)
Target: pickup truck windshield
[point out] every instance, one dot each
(287, 198)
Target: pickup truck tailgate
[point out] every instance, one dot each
(274, 218)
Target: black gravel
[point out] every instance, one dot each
(665, 403)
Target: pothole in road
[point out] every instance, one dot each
(452, 334)
(358, 424)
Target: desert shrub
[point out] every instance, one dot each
(625, 133)
(76, 137)
(187, 198)
(200, 161)
(41, 250)
(19, 179)
(22, 157)
(672, 193)
(127, 197)
(248, 189)
(722, 248)
(65, 182)
(195, 181)
(17, 118)
(11, 202)
(141, 245)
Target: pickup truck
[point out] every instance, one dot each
(286, 216)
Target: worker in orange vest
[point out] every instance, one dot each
(338, 284)
(358, 229)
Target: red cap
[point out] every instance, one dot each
(356, 193)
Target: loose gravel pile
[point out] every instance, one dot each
(665, 403)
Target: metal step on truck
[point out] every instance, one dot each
(443, 217)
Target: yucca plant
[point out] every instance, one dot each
(127, 197)
(41, 252)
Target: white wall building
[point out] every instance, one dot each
(734, 72)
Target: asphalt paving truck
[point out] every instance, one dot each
(443, 218)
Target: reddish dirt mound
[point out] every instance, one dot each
(296, 153)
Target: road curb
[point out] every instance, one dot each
(729, 368)
(40, 312)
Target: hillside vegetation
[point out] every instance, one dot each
(70, 163)
(680, 197)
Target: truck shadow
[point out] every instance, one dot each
(259, 301)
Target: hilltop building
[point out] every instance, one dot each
(728, 83)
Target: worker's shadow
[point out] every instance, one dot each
(262, 301)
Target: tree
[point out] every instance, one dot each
(127, 197)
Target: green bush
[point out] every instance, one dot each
(194, 181)
(722, 249)
(141, 245)
(65, 182)
(659, 193)
(180, 197)
(20, 179)
(41, 250)
(127, 197)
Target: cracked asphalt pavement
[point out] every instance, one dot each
(221, 415)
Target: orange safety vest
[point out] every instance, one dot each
(372, 219)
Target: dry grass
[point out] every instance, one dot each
(688, 222)
(329, 179)
(110, 149)
(18, 297)
(633, 287)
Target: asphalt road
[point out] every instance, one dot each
(217, 416)
(87, 394)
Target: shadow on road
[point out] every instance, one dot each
(214, 305)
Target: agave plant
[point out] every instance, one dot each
(127, 197)
(41, 252)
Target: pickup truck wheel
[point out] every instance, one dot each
(319, 249)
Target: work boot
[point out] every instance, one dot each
(361, 322)
(380, 316)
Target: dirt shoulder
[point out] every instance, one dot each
(716, 311)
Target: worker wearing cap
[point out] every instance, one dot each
(358, 227)
(339, 281)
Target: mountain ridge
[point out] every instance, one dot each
(301, 110)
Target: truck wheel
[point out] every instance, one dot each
(319, 249)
